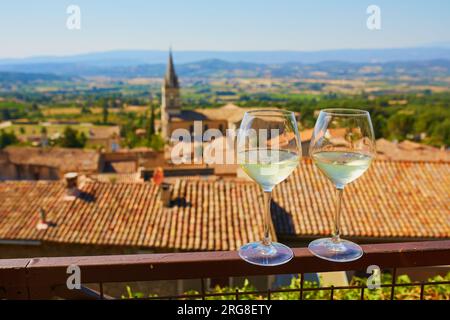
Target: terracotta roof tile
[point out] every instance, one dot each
(205, 216)
(393, 199)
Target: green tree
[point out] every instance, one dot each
(151, 122)
(441, 133)
(34, 107)
(379, 126)
(400, 125)
(105, 111)
(7, 138)
(131, 140)
(85, 110)
(113, 104)
(156, 142)
(6, 114)
(72, 139)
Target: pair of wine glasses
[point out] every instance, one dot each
(269, 149)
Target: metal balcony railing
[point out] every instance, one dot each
(44, 278)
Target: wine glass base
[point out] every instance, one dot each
(266, 255)
(342, 251)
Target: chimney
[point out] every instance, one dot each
(72, 192)
(158, 176)
(42, 224)
(166, 193)
(141, 173)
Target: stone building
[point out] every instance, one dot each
(28, 163)
(173, 117)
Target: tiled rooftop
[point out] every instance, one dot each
(410, 151)
(204, 216)
(392, 200)
(116, 177)
(65, 159)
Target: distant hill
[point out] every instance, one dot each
(12, 77)
(214, 68)
(141, 57)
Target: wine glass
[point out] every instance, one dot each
(342, 147)
(268, 150)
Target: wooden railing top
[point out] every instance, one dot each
(44, 272)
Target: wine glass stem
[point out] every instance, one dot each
(337, 214)
(267, 218)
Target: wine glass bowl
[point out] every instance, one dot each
(342, 147)
(268, 150)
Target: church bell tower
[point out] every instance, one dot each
(170, 97)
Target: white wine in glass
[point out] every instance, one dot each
(342, 147)
(268, 150)
(342, 167)
(272, 167)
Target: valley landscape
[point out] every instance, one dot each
(407, 98)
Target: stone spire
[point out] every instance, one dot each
(170, 98)
(171, 79)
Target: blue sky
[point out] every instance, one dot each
(29, 28)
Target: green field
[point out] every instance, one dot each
(22, 130)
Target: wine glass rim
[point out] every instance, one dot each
(270, 110)
(345, 112)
